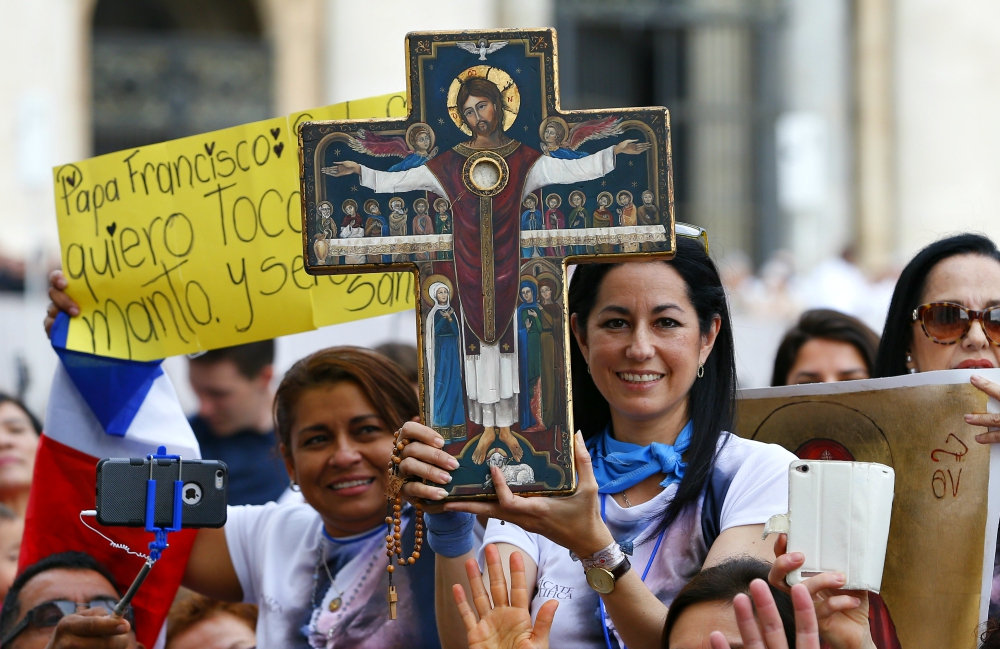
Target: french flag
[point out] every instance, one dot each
(98, 408)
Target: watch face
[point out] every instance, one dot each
(601, 580)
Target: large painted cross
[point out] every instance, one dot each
(487, 191)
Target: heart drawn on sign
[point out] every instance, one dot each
(278, 148)
(275, 132)
(71, 180)
(111, 228)
(209, 148)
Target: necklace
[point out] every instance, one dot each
(338, 602)
(625, 498)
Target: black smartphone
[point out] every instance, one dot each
(121, 491)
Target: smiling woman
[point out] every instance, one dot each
(653, 376)
(318, 570)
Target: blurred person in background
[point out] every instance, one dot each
(234, 424)
(945, 315)
(197, 622)
(19, 431)
(65, 601)
(404, 355)
(825, 346)
(11, 530)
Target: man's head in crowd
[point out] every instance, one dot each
(19, 431)
(233, 385)
(65, 599)
(198, 622)
(11, 530)
(705, 604)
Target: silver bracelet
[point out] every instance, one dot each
(607, 558)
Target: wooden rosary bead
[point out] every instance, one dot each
(391, 568)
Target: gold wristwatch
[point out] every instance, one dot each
(603, 579)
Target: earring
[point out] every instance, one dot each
(295, 486)
(588, 369)
(701, 370)
(909, 360)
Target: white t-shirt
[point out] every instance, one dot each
(749, 485)
(277, 551)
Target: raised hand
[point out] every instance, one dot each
(990, 420)
(503, 623)
(345, 168)
(631, 147)
(768, 632)
(842, 615)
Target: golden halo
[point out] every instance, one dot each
(508, 91)
(557, 120)
(611, 199)
(558, 201)
(425, 285)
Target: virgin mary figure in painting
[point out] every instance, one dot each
(446, 411)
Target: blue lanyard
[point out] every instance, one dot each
(649, 564)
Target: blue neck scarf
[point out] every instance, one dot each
(620, 465)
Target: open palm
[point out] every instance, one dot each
(507, 624)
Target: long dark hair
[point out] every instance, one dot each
(897, 336)
(723, 582)
(712, 399)
(825, 324)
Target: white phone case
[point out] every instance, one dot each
(838, 517)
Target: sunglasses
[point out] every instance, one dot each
(47, 615)
(946, 323)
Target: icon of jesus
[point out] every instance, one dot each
(486, 180)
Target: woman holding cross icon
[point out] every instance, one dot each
(663, 487)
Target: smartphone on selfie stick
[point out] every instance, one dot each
(163, 494)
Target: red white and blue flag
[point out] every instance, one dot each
(99, 408)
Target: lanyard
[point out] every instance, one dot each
(649, 564)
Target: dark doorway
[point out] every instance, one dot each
(164, 69)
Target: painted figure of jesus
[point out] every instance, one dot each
(486, 180)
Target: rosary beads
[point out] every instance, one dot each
(393, 520)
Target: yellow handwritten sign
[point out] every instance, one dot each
(196, 243)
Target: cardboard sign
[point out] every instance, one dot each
(942, 535)
(195, 244)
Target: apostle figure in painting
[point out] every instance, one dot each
(627, 216)
(446, 411)
(325, 212)
(397, 222)
(529, 348)
(501, 173)
(531, 219)
(647, 213)
(553, 404)
(554, 220)
(442, 223)
(376, 225)
(422, 224)
(578, 217)
(352, 227)
(602, 217)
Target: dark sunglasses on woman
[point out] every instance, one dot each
(946, 323)
(47, 614)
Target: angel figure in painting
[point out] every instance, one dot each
(559, 140)
(578, 217)
(444, 370)
(554, 220)
(415, 148)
